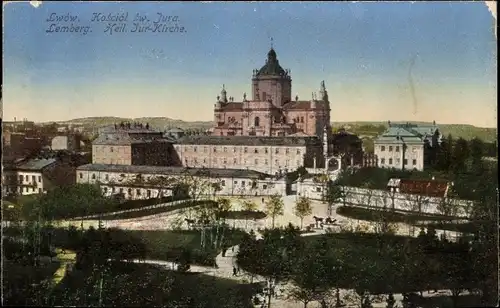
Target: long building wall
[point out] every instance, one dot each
(404, 202)
(266, 159)
(123, 183)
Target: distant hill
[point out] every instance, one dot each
(372, 129)
(364, 129)
(156, 122)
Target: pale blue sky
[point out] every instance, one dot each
(362, 51)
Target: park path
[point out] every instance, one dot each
(224, 269)
(67, 258)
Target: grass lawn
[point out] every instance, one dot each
(144, 285)
(245, 215)
(154, 211)
(26, 285)
(168, 245)
(377, 215)
(161, 244)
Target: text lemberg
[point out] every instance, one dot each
(118, 17)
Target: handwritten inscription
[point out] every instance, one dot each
(66, 23)
(139, 23)
(114, 23)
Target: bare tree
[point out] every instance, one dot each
(274, 207)
(222, 208)
(367, 198)
(248, 206)
(346, 193)
(302, 209)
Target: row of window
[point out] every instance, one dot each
(26, 178)
(398, 161)
(112, 161)
(125, 150)
(138, 191)
(29, 189)
(396, 148)
(251, 133)
(235, 149)
(226, 161)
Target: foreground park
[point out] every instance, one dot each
(185, 265)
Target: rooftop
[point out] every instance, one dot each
(36, 164)
(169, 170)
(250, 140)
(129, 136)
(429, 188)
(406, 133)
(272, 66)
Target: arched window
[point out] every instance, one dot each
(257, 122)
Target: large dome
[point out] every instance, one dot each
(272, 66)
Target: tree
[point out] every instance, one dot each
(69, 202)
(334, 194)
(477, 151)
(222, 208)
(248, 206)
(484, 246)
(274, 261)
(184, 261)
(457, 268)
(314, 273)
(460, 154)
(308, 278)
(390, 301)
(248, 255)
(449, 205)
(302, 209)
(274, 207)
(368, 194)
(198, 184)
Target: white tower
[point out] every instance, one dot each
(325, 143)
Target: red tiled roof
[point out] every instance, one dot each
(297, 105)
(233, 107)
(430, 188)
(300, 105)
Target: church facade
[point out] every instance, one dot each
(271, 111)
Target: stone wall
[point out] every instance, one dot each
(404, 202)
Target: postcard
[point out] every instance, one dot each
(249, 154)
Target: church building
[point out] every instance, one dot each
(271, 111)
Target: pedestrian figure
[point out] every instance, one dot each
(223, 252)
(234, 271)
(232, 249)
(262, 199)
